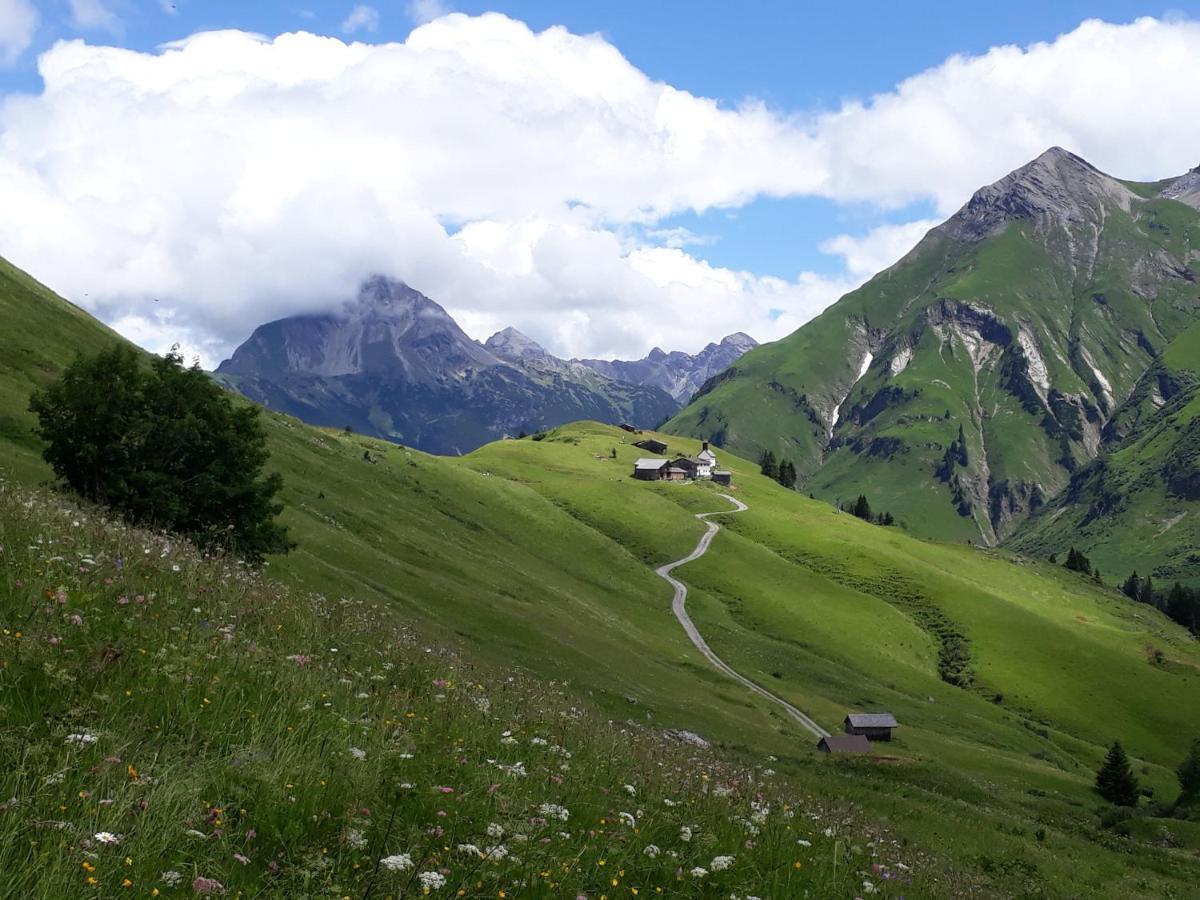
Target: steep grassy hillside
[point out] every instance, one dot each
(962, 387)
(174, 727)
(1135, 507)
(1008, 676)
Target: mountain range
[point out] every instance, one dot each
(394, 364)
(1026, 373)
(679, 374)
(537, 559)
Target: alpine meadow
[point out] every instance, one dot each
(464, 542)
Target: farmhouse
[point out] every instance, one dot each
(649, 469)
(652, 446)
(873, 726)
(694, 466)
(844, 743)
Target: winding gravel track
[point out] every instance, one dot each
(679, 607)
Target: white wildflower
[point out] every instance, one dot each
(495, 854)
(699, 872)
(685, 834)
(107, 837)
(399, 862)
(431, 881)
(495, 831)
(721, 863)
(470, 850)
(82, 739)
(652, 851)
(868, 887)
(358, 753)
(538, 742)
(170, 877)
(803, 843)
(630, 790)
(628, 819)
(667, 801)
(554, 811)
(759, 810)
(355, 839)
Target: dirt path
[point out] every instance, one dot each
(679, 607)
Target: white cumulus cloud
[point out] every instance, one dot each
(18, 23)
(422, 11)
(361, 18)
(507, 174)
(93, 15)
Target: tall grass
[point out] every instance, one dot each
(174, 725)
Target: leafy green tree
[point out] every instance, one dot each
(1115, 781)
(1189, 776)
(165, 446)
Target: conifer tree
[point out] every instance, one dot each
(1115, 781)
(1146, 591)
(1189, 775)
(862, 508)
(1132, 586)
(767, 464)
(786, 474)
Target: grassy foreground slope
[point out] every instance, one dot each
(538, 555)
(174, 726)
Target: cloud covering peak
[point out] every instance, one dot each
(515, 177)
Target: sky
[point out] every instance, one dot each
(605, 176)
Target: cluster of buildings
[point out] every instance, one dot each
(663, 468)
(861, 729)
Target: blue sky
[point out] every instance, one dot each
(820, 177)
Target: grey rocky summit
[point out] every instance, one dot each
(679, 374)
(394, 364)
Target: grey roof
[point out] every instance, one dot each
(872, 720)
(722, 472)
(650, 463)
(846, 743)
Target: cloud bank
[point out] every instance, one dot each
(508, 174)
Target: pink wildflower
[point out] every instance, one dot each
(202, 885)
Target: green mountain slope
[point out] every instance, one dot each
(1135, 507)
(1025, 320)
(1008, 676)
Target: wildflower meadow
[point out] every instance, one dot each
(175, 725)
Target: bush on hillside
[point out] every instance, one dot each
(165, 446)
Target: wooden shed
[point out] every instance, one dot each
(650, 445)
(873, 726)
(722, 476)
(844, 743)
(649, 469)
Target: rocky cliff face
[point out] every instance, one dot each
(396, 365)
(1026, 320)
(679, 374)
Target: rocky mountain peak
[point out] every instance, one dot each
(739, 340)
(510, 343)
(1185, 189)
(1056, 190)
